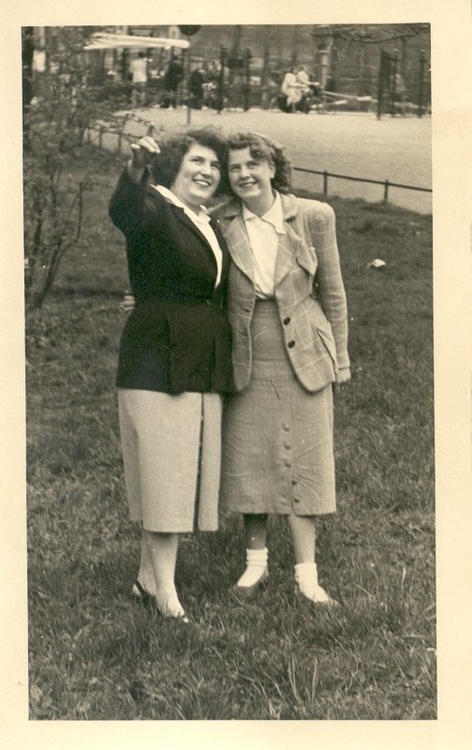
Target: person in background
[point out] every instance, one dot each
(195, 87)
(399, 95)
(288, 313)
(290, 89)
(139, 76)
(172, 78)
(175, 350)
(303, 79)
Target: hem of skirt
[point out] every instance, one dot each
(264, 510)
(173, 530)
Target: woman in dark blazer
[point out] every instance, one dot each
(288, 314)
(175, 351)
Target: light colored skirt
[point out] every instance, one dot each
(172, 455)
(277, 437)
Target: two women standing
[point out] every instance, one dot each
(287, 310)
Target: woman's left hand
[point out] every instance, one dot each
(342, 378)
(129, 303)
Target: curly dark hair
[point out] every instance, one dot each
(166, 165)
(262, 148)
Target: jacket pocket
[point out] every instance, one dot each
(322, 329)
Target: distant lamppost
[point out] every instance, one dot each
(421, 83)
(221, 78)
(393, 82)
(322, 37)
(247, 83)
(188, 31)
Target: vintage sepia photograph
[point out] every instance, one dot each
(230, 451)
(236, 464)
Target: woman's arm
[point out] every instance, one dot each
(321, 222)
(127, 207)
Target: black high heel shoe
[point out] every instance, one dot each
(140, 593)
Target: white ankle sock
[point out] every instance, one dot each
(256, 566)
(306, 575)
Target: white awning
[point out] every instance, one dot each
(103, 40)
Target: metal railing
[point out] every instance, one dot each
(103, 135)
(386, 183)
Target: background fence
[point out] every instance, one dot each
(386, 183)
(115, 137)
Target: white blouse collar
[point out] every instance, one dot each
(273, 216)
(202, 215)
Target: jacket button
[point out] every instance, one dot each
(286, 321)
(291, 344)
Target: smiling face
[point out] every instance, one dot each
(250, 180)
(198, 177)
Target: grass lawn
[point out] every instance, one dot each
(94, 654)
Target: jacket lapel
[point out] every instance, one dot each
(237, 239)
(182, 218)
(290, 248)
(289, 243)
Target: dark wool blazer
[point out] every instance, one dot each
(177, 338)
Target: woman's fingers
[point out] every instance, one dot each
(143, 152)
(149, 144)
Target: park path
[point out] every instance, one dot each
(352, 144)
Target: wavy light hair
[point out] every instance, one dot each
(262, 148)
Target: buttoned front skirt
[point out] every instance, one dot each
(171, 448)
(277, 437)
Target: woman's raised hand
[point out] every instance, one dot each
(142, 154)
(144, 151)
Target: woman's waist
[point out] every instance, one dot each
(160, 319)
(175, 298)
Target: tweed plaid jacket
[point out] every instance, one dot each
(309, 292)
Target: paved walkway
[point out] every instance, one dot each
(353, 144)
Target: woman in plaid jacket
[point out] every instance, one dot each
(288, 315)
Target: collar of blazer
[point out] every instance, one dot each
(178, 211)
(290, 244)
(182, 217)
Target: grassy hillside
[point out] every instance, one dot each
(95, 654)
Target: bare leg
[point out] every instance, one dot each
(255, 530)
(157, 570)
(303, 531)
